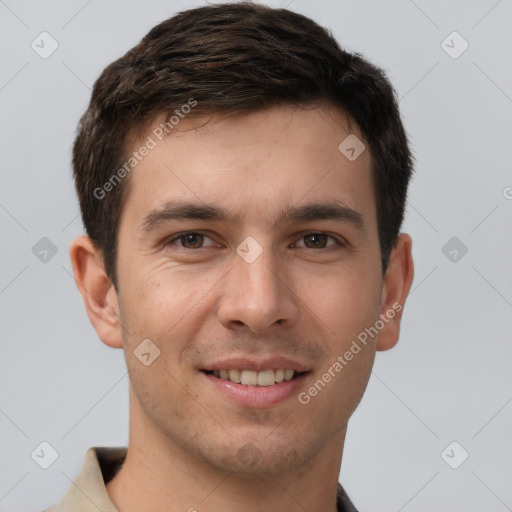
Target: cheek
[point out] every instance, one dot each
(159, 391)
(346, 301)
(159, 299)
(338, 388)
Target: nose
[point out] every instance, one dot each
(257, 296)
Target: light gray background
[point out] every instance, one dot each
(448, 379)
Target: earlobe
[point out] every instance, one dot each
(397, 283)
(97, 290)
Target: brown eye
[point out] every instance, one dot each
(317, 241)
(192, 240)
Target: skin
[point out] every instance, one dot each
(304, 297)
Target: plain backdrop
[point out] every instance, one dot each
(448, 380)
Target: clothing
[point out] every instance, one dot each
(89, 494)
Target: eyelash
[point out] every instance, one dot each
(340, 243)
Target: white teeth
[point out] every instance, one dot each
(266, 378)
(253, 378)
(234, 376)
(249, 378)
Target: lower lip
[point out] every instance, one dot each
(257, 396)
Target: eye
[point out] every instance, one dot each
(194, 240)
(190, 240)
(318, 241)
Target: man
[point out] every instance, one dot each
(242, 182)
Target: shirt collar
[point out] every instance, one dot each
(88, 492)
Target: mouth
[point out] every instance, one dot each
(254, 378)
(256, 382)
(251, 384)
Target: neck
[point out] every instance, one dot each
(161, 476)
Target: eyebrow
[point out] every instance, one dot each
(180, 210)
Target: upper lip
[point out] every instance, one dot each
(257, 364)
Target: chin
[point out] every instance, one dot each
(254, 459)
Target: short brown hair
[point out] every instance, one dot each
(233, 58)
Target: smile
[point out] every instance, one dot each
(255, 378)
(255, 395)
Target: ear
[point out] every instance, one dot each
(397, 283)
(97, 290)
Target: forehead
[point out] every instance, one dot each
(253, 164)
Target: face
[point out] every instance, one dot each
(248, 249)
